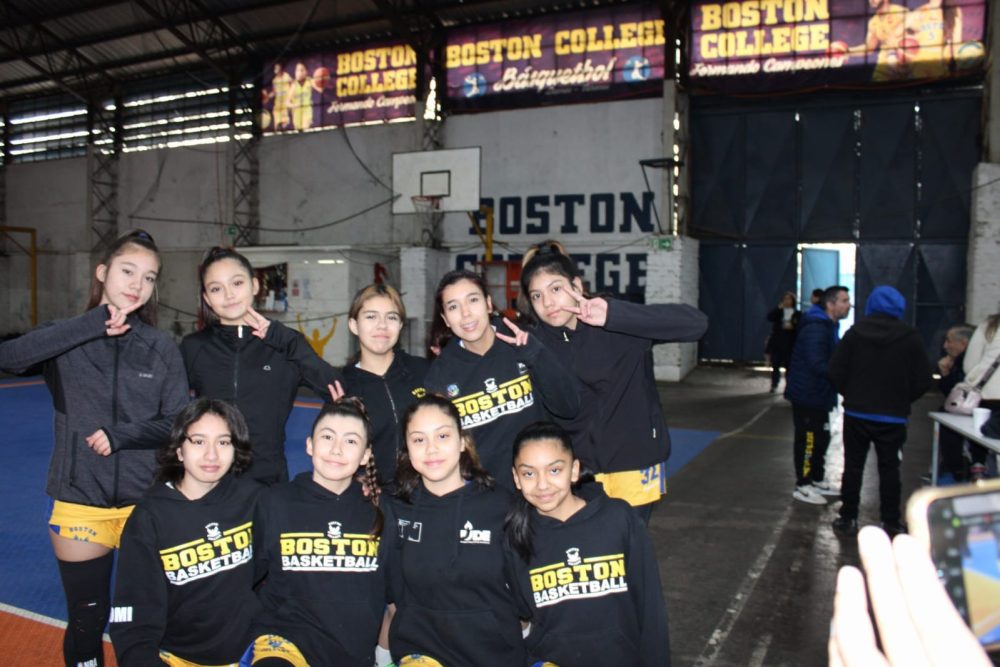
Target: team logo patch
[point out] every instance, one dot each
(409, 530)
(573, 556)
(469, 535)
(212, 531)
(452, 390)
(419, 392)
(521, 368)
(334, 530)
(491, 384)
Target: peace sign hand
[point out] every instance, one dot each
(520, 338)
(116, 324)
(589, 311)
(336, 391)
(258, 323)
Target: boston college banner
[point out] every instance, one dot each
(759, 45)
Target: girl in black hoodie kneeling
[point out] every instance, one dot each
(443, 546)
(318, 540)
(581, 562)
(184, 588)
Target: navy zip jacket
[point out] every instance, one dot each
(592, 588)
(621, 425)
(500, 393)
(450, 580)
(261, 377)
(325, 590)
(807, 381)
(130, 386)
(185, 577)
(386, 398)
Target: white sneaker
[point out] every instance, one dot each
(824, 488)
(807, 494)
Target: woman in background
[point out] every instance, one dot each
(784, 321)
(982, 357)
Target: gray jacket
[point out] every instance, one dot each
(131, 386)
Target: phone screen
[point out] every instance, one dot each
(965, 547)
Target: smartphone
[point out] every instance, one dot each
(960, 525)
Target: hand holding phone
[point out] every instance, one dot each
(959, 526)
(916, 623)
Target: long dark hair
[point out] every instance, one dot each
(140, 239)
(546, 257)
(449, 279)
(518, 522)
(350, 406)
(172, 470)
(217, 254)
(408, 479)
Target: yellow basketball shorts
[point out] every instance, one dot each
(636, 487)
(100, 525)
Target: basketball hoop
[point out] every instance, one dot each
(428, 210)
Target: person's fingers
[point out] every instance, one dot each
(133, 307)
(513, 327)
(510, 340)
(946, 638)
(571, 309)
(852, 638)
(580, 298)
(900, 640)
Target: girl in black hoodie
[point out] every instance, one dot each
(184, 588)
(443, 546)
(317, 543)
(253, 363)
(621, 433)
(499, 380)
(582, 562)
(385, 377)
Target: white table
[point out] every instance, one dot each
(961, 424)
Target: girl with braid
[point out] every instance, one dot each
(316, 540)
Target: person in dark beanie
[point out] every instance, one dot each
(881, 368)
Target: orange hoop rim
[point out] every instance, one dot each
(426, 202)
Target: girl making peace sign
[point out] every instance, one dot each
(500, 382)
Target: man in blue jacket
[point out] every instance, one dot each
(808, 388)
(881, 367)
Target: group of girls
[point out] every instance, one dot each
(455, 596)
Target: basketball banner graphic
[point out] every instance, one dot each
(607, 52)
(759, 45)
(376, 82)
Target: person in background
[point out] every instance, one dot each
(881, 368)
(816, 296)
(808, 389)
(981, 355)
(951, 369)
(116, 383)
(784, 321)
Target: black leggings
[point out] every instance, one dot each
(87, 585)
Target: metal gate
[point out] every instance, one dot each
(891, 174)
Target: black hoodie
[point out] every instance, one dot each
(881, 367)
(449, 578)
(261, 378)
(185, 576)
(592, 588)
(498, 394)
(325, 591)
(621, 425)
(386, 397)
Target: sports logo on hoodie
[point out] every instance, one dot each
(496, 401)
(469, 535)
(219, 551)
(578, 578)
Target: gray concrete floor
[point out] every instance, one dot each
(747, 571)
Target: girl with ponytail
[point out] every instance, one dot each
(581, 561)
(621, 435)
(317, 542)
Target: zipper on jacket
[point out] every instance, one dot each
(114, 417)
(236, 376)
(392, 403)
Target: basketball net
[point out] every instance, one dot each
(428, 210)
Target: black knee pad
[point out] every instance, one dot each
(87, 585)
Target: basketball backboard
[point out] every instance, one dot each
(451, 174)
